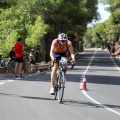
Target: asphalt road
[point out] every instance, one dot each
(29, 99)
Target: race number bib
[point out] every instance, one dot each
(62, 63)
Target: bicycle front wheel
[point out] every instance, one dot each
(56, 87)
(61, 86)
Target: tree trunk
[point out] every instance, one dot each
(79, 43)
(81, 48)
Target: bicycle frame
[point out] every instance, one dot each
(59, 84)
(60, 81)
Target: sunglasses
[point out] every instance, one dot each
(63, 41)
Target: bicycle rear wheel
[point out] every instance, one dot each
(61, 86)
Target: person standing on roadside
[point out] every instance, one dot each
(19, 48)
(12, 54)
(31, 57)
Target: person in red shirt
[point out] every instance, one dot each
(19, 48)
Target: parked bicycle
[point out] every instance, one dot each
(60, 80)
(7, 66)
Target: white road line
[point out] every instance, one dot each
(2, 83)
(115, 63)
(100, 104)
(10, 80)
(89, 63)
(85, 93)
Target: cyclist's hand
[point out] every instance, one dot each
(53, 59)
(72, 62)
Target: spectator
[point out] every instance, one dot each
(31, 58)
(12, 54)
(19, 48)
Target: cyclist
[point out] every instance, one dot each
(31, 57)
(58, 49)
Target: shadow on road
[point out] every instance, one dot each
(27, 97)
(87, 104)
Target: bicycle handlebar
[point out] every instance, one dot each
(68, 62)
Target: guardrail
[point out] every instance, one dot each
(43, 66)
(47, 66)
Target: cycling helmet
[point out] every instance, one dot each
(62, 36)
(32, 50)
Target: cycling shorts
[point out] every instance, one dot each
(56, 55)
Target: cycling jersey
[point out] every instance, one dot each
(61, 49)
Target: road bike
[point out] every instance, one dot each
(60, 80)
(7, 65)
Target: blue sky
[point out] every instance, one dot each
(103, 14)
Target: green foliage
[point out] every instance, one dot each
(114, 9)
(102, 33)
(15, 19)
(9, 43)
(39, 21)
(35, 32)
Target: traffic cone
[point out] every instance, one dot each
(83, 85)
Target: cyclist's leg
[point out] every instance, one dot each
(53, 77)
(53, 74)
(65, 68)
(54, 70)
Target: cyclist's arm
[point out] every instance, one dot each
(70, 47)
(52, 50)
